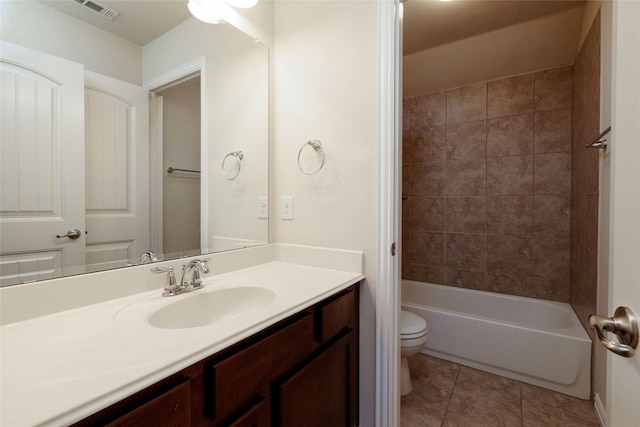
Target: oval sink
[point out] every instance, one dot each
(206, 308)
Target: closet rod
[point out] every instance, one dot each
(171, 169)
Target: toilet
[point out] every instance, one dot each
(413, 336)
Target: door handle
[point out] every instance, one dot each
(72, 234)
(624, 324)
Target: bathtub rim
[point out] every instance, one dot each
(576, 326)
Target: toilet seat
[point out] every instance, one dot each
(412, 326)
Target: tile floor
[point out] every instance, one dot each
(446, 394)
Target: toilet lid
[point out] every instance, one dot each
(411, 325)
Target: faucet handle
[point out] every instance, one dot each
(171, 287)
(205, 267)
(199, 267)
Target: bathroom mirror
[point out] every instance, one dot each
(88, 187)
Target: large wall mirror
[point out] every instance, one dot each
(126, 140)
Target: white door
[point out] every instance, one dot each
(41, 166)
(623, 375)
(117, 171)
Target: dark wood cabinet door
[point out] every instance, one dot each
(257, 416)
(237, 379)
(322, 393)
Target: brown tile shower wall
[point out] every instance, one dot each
(487, 183)
(585, 170)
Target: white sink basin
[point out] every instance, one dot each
(204, 308)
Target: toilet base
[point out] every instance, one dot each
(405, 377)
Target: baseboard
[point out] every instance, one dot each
(601, 413)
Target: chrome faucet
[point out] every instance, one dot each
(191, 280)
(147, 257)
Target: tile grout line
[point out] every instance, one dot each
(446, 202)
(485, 277)
(455, 383)
(521, 406)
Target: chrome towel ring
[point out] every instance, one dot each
(238, 155)
(317, 148)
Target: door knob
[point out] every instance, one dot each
(72, 234)
(624, 324)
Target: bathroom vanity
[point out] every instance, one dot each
(301, 371)
(270, 339)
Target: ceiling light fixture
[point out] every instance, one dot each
(206, 11)
(212, 11)
(243, 4)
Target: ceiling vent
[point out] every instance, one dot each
(96, 7)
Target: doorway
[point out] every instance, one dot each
(176, 166)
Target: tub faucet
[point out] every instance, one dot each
(191, 274)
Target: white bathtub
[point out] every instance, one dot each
(535, 341)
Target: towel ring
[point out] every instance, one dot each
(238, 155)
(317, 147)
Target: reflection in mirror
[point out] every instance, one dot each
(181, 161)
(203, 88)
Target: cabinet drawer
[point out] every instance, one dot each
(336, 316)
(238, 377)
(171, 408)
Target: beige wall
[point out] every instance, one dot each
(535, 45)
(325, 89)
(34, 25)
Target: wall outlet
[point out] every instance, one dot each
(263, 207)
(287, 207)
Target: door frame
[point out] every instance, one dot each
(387, 396)
(156, 168)
(623, 386)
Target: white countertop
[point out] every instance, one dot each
(60, 368)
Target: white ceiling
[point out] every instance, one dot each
(430, 23)
(427, 23)
(140, 21)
